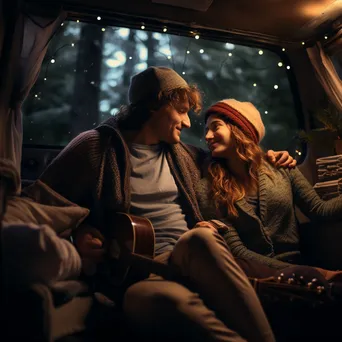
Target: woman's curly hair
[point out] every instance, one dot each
(226, 189)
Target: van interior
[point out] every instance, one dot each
(65, 66)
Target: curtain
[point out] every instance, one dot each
(326, 74)
(23, 43)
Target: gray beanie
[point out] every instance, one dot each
(153, 80)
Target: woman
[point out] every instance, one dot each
(254, 199)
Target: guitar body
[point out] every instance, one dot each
(131, 235)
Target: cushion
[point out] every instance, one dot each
(44, 206)
(35, 254)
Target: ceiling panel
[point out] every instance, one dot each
(288, 20)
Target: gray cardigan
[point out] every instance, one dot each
(273, 233)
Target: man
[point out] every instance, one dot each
(135, 162)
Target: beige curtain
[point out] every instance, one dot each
(24, 42)
(326, 74)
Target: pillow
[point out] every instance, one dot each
(34, 254)
(44, 206)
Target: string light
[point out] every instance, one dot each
(98, 18)
(325, 37)
(196, 36)
(303, 43)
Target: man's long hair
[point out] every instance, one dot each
(134, 116)
(225, 188)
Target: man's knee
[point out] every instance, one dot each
(199, 238)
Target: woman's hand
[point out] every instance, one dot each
(335, 276)
(281, 159)
(205, 224)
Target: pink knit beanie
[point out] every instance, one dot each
(242, 114)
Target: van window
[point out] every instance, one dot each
(86, 73)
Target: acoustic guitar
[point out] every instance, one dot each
(131, 253)
(131, 250)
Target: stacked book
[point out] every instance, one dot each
(329, 171)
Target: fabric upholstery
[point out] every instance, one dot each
(44, 206)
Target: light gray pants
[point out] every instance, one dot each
(222, 306)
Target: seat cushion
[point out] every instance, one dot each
(42, 205)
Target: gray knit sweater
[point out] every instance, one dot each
(274, 232)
